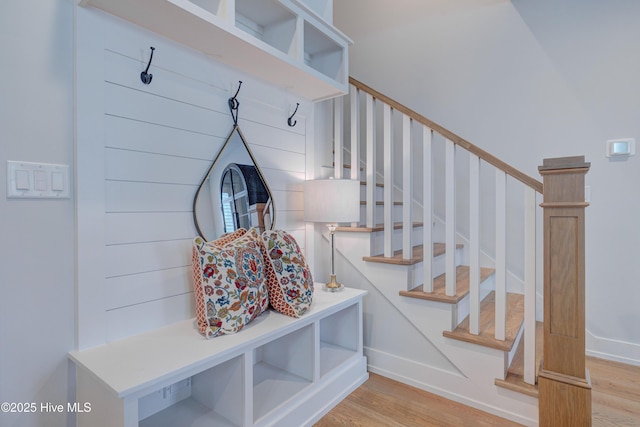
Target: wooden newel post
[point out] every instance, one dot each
(564, 385)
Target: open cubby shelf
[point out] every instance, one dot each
(188, 412)
(288, 43)
(269, 21)
(336, 345)
(277, 370)
(322, 53)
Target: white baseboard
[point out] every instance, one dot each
(450, 385)
(615, 350)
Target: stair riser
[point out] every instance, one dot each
(463, 307)
(396, 240)
(378, 193)
(378, 214)
(438, 267)
(379, 197)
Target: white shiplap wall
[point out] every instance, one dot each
(142, 150)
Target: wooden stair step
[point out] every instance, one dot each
(416, 257)
(363, 202)
(515, 375)
(439, 288)
(379, 227)
(346, 166)
(378, 184)
(515, 317)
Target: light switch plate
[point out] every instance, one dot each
(27, 180)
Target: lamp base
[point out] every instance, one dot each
(333, 285)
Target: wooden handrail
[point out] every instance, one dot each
(487, 157)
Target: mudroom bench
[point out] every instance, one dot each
(277, 371)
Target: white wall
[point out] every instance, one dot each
(37, 243)
(526, 81)
(37, 258)
(142, 150)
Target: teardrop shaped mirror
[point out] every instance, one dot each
(233, 193)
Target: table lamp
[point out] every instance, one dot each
(332, 201)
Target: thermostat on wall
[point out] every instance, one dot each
(621, 147)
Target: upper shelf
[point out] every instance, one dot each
(284, 42)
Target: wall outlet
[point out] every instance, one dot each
(163, 398)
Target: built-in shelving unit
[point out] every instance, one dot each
(289, 43)
(214, 396)
(335, 343)
(269, 21)
(282, 369)
(276, 371)
(322, 53)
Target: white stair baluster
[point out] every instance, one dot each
(501, 256)
(474, 243)
(371, 161)
(427, 219)
(407, 189)
(338, 145)
(450, 218)
(387, 133)
(355, 135)
(529, 285)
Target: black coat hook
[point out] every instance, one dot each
(234, 104)
(290, 122)
(145, 76)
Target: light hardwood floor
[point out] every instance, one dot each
(615, 393)
(382, 402)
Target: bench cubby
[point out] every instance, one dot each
(277, 370)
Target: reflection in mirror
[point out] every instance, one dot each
(243, 197)
(233, 192)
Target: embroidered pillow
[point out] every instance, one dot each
(288, 276)
(201, 315)
(227, 238)
(229, 281)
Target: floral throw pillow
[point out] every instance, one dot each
(227, 238)
(289, 277)
(230, 282)
(201, 315)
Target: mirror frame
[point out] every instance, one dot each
(235, 129)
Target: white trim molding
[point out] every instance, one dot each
(610, 349)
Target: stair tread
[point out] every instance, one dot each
(515, 317)
(417, 256)
(379, 227)
(515, 375)
(379, 203)
(439, 286)
(378, 184)
(346, 166)
(517, 384)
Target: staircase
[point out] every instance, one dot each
(436, 239)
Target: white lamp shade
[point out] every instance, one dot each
(332, 200)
